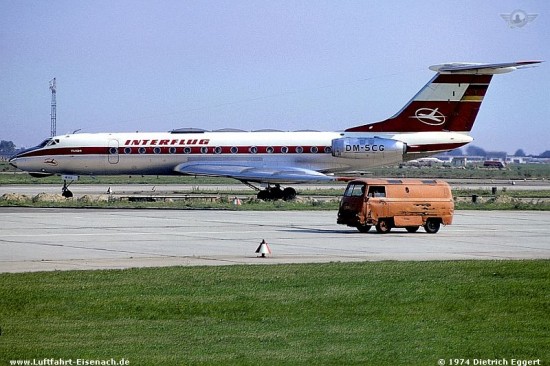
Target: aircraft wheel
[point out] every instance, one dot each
(383, 226)
(363, 228)
(432, 226)
(263, 195)
(276, 193)
(412, 229)
(289, 194)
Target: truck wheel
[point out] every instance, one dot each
(432, 226)
(363, 228)
(383, 226)
(412, 229)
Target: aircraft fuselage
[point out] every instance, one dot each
(159, 153)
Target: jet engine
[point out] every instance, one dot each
(383, 151)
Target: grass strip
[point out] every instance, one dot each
(505, 202)
(375, 313)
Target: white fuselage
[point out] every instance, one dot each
(159, 153)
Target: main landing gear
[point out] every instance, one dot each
(274, 193)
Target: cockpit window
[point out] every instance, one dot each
(44, 143)
(48, 142)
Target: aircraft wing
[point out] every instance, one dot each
(251, 173)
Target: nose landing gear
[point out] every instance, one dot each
(65, 192)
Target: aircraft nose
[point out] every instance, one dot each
(12, 161)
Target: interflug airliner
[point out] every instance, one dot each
(438, 118)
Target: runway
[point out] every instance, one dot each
(34, 239)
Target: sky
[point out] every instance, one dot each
(140, 65)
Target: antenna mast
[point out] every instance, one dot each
(54, 106)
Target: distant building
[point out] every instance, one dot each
(517, 159)
(463, 160)
(459, 161)
(494, 164)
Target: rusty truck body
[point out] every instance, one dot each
(389, 203)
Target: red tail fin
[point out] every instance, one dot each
(449, 102)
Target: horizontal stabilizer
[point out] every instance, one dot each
(480, 69)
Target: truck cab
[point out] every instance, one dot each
(389, 203)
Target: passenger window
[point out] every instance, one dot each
(377, 191)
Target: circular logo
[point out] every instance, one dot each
(430, 116)
(518, 18)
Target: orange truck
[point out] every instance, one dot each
(389, 203)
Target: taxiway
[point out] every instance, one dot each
(34, 239)
(159, 189)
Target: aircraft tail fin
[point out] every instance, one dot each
(448, 102)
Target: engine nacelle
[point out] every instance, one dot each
(384, 151)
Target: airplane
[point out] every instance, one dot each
(438, 118)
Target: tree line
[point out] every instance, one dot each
(7, 147)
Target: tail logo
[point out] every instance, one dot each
(429, 116)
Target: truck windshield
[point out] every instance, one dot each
(355, 190)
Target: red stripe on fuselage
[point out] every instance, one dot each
(211, 150)
(66, 151)
(192, 150)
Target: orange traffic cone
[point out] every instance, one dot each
(263, 249)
